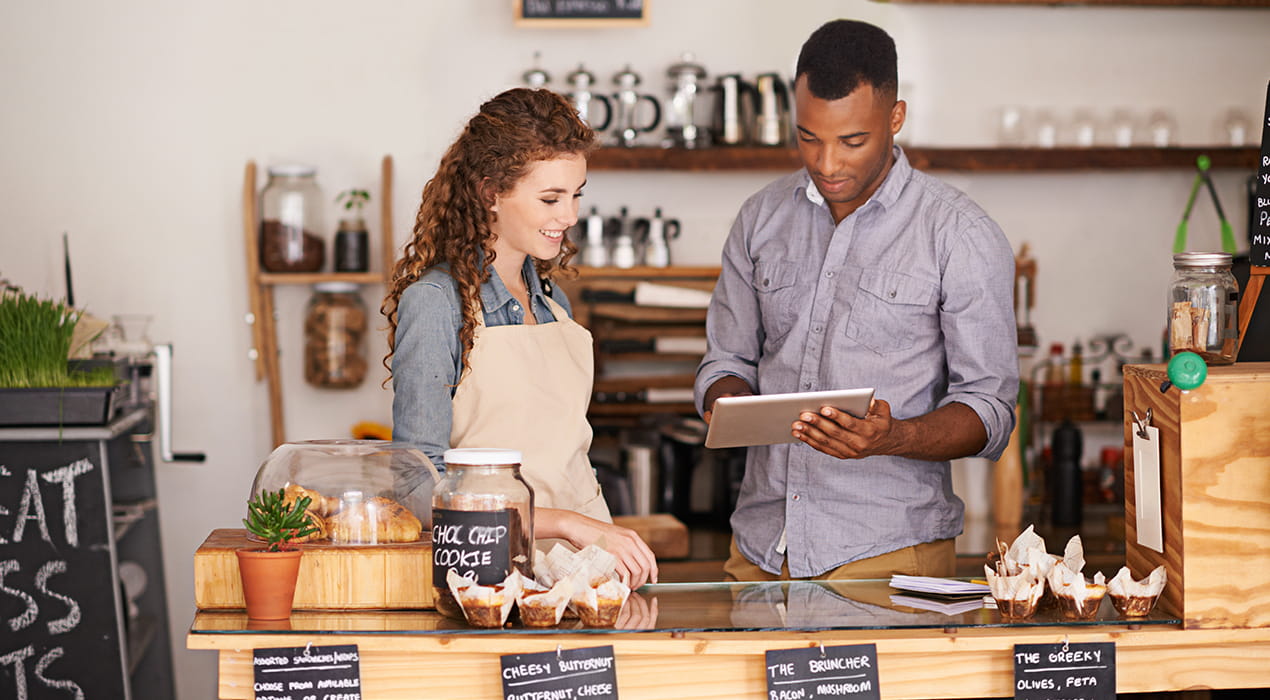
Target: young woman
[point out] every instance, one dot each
(482, 349)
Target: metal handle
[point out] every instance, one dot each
(163, 389)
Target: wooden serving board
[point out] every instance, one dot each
(366, 577)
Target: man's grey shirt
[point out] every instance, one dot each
(911, 294)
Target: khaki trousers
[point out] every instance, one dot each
(938, 558)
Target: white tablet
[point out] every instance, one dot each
(741, 421)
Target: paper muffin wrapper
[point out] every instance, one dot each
(599, 605)
(541, 606)
(484, 606)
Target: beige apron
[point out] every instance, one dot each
(527, 388)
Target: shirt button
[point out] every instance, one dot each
(795, 497)
(892, 293)
(806, 385)
(829, 274)
(516, 307)
(816, 329)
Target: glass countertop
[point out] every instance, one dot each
(782, 606)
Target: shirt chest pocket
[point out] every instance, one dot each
(775, 285)
(890, 310)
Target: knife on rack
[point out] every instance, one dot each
(651, 294)
(663, 345)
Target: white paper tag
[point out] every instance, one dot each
(1146, 488)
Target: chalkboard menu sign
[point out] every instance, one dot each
(475, 543)
(849, 671)
(60, 637)
(568, 673)
(1068, 671)
(1260, 255)
(565, 13)
(300, 673)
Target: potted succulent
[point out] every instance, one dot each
(351, 239)
(269, 573)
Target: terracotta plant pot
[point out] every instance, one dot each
(268, 582)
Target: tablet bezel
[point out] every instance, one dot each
(766, 419)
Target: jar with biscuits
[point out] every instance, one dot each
(482, 522)
(360, 492)
(335, 336)
(292, 232)
(1204, 307)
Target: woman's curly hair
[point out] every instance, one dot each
(512, 131)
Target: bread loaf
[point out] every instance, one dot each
(375, 520)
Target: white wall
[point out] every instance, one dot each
(127, 124)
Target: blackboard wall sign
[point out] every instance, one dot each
(1067, 671)
(1260, 255)
(848, 671)
(590, 672)
(301, 673)
(58, 632)
(581, 13)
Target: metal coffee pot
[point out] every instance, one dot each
(682, 128)
(536, 77)
(594, 248)
(582, 80)
(624, 254)
(734, 102)
(771, 118)
(656, 234)
(627, 101)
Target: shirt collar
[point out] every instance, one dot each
(494, 295)
(886, 195)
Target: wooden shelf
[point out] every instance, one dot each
(275, 278)
(924, 158)
(1095, 3)
(648, 272)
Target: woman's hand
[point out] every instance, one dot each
(636, 564)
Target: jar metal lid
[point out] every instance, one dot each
(336, 287)
(292, 170)
(480, 456)
(1193, 259)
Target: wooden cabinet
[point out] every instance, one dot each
(645, 356)
(260, 285)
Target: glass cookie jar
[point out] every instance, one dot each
(1204, 307)
(482, 521)
(361, 492)
(335, 336)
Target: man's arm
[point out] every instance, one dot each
(948, 432)
(734, 326)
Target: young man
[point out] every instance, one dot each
(859, 271)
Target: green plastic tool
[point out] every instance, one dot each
(1187, 371)
(1203, 178)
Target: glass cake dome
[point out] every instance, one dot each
(361, 492)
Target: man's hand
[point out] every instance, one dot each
(948, 432)
(725, 386)
(842, 435)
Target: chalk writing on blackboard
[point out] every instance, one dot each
(582, 10)
(1260, 253)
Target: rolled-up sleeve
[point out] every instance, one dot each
(980, 336)
(425, 367)
(734, 330)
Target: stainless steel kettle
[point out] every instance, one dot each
(772, 112)
(626, 102)
(581, 80)
(655, 235)
(734, 102)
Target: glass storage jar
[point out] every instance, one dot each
(1204, 307)
(292, 235)
(482, 521)
(361, 492)
(335, 336)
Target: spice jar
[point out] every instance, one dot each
(335, 336)
(290, 217)
(482, 521)
(1204, 307)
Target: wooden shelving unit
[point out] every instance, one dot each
(260, 285)
(986, 160)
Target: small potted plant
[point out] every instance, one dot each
(351, 240)
(269, 573)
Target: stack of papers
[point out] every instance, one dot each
(953, 607)
(939, 587)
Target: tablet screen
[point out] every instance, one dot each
(742, 421)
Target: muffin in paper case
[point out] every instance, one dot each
(484, 606)
(1136, 598)
(1017, 596)
(599, 605)
(541, 606)
(1077, 598)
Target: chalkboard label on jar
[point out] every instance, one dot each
(1260, 253)
(475, 543)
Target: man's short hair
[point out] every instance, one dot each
(844, 53)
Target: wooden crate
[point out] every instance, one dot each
(372, 577)
(1214, 491)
